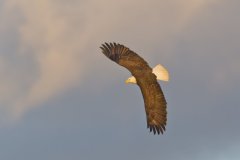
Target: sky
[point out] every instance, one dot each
(61, 98)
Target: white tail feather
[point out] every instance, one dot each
(161, 73)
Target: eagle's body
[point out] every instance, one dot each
(160, 72)
(155, 103)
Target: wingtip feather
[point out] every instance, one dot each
(112, 51)
(156, 129)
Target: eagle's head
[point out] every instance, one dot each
(131, 80)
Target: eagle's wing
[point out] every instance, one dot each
(155, 103)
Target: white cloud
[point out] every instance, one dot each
(55, 40)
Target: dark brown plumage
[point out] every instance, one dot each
(155, 103)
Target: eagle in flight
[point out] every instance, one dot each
(146, 78)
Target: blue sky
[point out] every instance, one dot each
(61, 98)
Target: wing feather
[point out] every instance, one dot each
(154, 100)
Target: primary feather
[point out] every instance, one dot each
(154, 100)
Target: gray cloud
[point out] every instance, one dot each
(93, 114)
(54, 41)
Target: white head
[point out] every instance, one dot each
(131, 80)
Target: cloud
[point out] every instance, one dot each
(45, 40)
(54, 41)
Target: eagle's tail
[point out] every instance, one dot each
(161, 73)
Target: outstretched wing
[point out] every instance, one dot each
(155, 103)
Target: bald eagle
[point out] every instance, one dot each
(146, 78)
